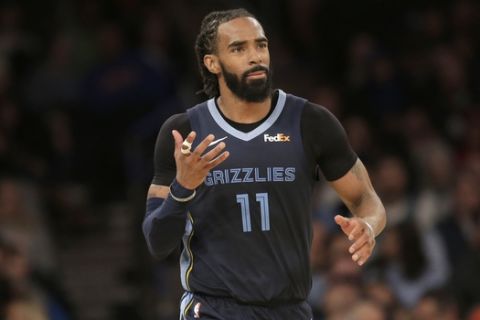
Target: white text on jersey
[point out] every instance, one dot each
(279, 137)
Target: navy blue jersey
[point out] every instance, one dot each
(248, 232)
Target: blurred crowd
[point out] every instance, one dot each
(85, 85)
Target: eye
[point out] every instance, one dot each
(262, 45)
(237, 49)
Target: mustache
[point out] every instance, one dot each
(256, 69)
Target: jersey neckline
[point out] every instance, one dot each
(247, 136)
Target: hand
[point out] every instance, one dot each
(358, 231)
(192, 169)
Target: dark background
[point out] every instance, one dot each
(85, 86)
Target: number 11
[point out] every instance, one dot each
(262, 199)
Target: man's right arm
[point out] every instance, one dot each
(167, 207)
(164, 222)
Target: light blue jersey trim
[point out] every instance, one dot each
(185, 304)
(186, 258)
(247, 136)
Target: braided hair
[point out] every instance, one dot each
(206, 44)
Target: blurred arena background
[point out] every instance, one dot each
(86, 84)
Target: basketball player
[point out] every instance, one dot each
(233, 179)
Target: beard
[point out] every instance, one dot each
(254, 90)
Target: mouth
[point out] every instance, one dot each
(256, 74)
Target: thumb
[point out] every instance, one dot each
(342, 221)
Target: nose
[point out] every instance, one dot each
(255, 56)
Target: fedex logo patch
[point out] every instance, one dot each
(279, 137)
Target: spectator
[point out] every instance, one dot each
(436, 305)
(366, 310)
(392, 180)
(416, 262)
(457, 230)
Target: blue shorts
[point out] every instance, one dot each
(196, 306)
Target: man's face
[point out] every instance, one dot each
(242, 51)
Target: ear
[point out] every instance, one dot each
(211, 63)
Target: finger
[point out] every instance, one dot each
(212, 154)
(360, 242)
(343, 222)
(356, 231)
(186, 148)
(203, 145)
(215, 162)
(179, 139)
(362, 255)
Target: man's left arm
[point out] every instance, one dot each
(369, 218)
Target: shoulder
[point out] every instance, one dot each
(310, 109)
(317, 112)
(290, 99)
(179, 122)
(319, 119)
(200, 106)
(178, 119)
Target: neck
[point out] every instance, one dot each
(241, 111)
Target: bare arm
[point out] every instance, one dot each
(157, 191)
(356, 191)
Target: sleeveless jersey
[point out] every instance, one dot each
(248, 232)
